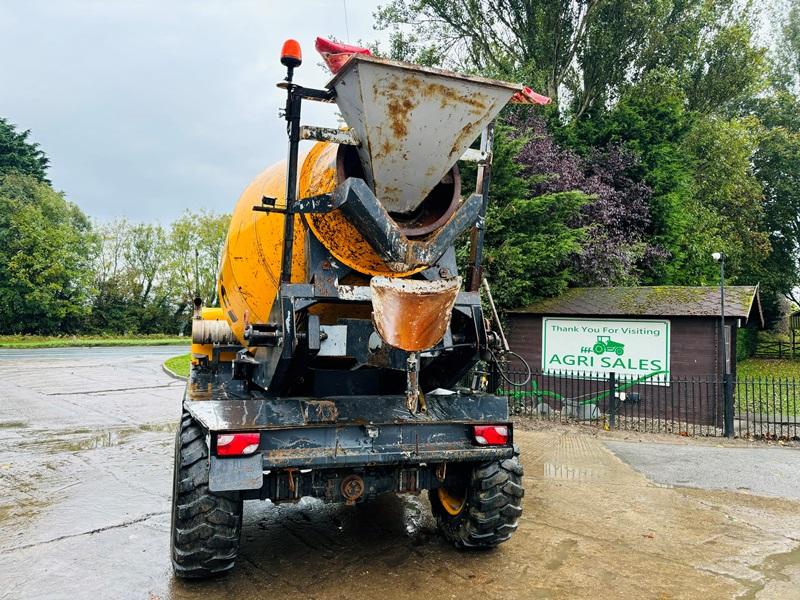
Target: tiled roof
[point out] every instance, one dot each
(666, 301)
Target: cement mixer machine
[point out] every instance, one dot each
(334, 366)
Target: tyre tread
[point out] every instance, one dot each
(494, 506)
(206, 528)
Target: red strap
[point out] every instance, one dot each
(528, 96)
(335, 55)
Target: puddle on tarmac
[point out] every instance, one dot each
(774, 569)
(82, 439)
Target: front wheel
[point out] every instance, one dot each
(205, 527)
(484, 511)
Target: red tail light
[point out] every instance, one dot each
(490, 435)
(237, 444)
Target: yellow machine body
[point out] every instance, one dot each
(251, 261)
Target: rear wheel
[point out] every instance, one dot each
(205, 527)
(483, 511)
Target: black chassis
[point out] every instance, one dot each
(315, 446)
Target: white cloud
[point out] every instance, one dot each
(149, 107)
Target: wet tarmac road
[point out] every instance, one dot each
(85, 474)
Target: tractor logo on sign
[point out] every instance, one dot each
(604, 345)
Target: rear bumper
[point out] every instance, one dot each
(374, 445)
(348, 433)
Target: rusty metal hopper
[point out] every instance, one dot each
(413, 314)
(412, 123)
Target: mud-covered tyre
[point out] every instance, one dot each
(205, 527)
(490, 507)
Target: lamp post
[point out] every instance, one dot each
(723, 349)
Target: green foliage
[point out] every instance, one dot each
(728, 68)
(746, 342)
(651, 120)
(777, 165)
(786, 62)
(529, 238)
(196, 241)
(146, 276)
(46, 245)
(591, 50)
(726, 199)
(529, 244)
(706, 197)
(19, 155)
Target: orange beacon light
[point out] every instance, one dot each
(291, 55)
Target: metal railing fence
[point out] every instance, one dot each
(767, 408)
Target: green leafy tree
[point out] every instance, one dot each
(46, 249)
(777, 164)
(706, 197)
(585, 53)
(727, 198)
(132, 281)
(113, 302)
(146, 254)
(531, 239)
(19, 155)
(195, 242)
(786, 58)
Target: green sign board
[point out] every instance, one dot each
(628, 347)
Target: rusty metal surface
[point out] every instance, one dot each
(413, 123)
(412, 314)
(340, 237)
(352, 488)
(328, 134)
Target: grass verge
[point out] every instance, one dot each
(41, 341)
(768, 387)
(761, 368)
(178, 365)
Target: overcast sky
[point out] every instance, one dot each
(149, 107)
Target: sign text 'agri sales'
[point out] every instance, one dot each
(630, 347)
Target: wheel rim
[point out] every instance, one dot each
(452, 502)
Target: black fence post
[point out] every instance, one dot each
(727, 391)
(612, 400)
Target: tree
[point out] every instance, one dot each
(777, 164)
(616, 214)
(19, 155)
(530, 237)
(786, 59)
(46, 249)
(134, 291)
(113, 286)
(585, 53)
(146, 254)
(196, 241)
(727, 196)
